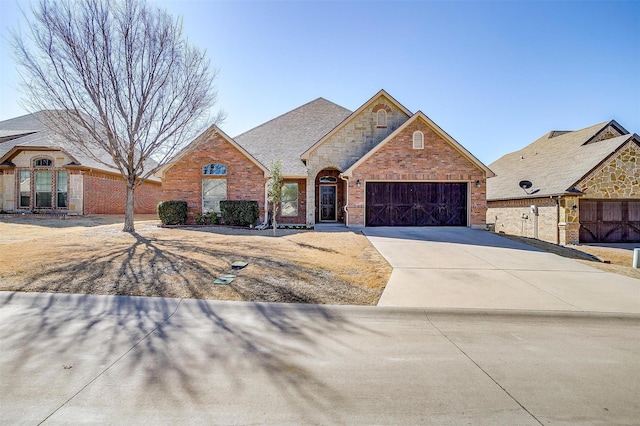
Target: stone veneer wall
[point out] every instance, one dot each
(183, 181)
(514, 217)
(398, 161)
(617, 178)
(350, 143)
(4, 176)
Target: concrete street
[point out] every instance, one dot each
(77, 359)
(466, 268)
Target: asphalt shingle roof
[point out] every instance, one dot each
(37, 135)
(553, 163)
(286, 137)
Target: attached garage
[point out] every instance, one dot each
(609, 221)
(416, 204)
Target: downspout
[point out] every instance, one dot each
(346, 204)
(266, 201)
(558, 220)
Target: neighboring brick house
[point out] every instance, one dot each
(585, 187)
(379, 165)
(41, 172)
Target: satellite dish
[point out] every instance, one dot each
(525, 184)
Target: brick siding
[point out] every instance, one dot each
(183, 180)
(106, 194)
(398, 161)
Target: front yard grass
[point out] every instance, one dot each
(90, 255)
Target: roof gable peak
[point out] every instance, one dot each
(374, 98)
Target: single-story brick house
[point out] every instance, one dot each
(380, 165)
(41, 172)
(584, 187)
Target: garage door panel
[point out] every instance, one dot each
(416, 204)
(609, 221)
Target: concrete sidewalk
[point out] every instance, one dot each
(79, 359)
(466, 268)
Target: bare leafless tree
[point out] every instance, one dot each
(117, 77)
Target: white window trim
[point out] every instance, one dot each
(282, 202)
(381, 118)
(420, 144)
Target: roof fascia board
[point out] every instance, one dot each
(613, 123)
(382, 92)
(18, 148)
(434, 126)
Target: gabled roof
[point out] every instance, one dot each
(31, 134)
(347, 119)
(419, 116)
(288, 135)
(554, 163)
(210, 131)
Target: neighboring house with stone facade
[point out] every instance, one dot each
(378, 165)
(585, 186)
(41, 172)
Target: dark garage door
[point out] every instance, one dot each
(416, 204)
(609, 221)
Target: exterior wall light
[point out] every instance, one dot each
(358, 184)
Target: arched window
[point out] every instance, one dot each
(214, 169)
(418, 140)
(381, 118)
(42, 162)
(328, 179)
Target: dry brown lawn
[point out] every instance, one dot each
(91, 255)
(607, 257)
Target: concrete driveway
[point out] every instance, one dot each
(466, 268)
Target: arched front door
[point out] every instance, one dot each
(329, 192)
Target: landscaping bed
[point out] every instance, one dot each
(91, 255)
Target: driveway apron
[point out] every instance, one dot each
(467, 268)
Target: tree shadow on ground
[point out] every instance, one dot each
(80, 347)
(180, 268)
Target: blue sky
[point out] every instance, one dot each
(495, 75)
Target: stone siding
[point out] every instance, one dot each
(617, 178)
(183, 180)
(398, 161)
(7, 188)
(514, 217)
(350, 143)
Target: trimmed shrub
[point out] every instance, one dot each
(172, 212)
(240, 212)
(209, 218)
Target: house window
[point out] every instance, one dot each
(62, 189)
(42, 162)
(328, 179)
(289, 201)
(213, 191)
(214, 169)
(24, 187)
(418, 140)
(382, 118)
(42, 189)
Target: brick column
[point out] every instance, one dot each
(569, 233)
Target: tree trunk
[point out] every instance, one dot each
(128, 212)
(273, 220)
